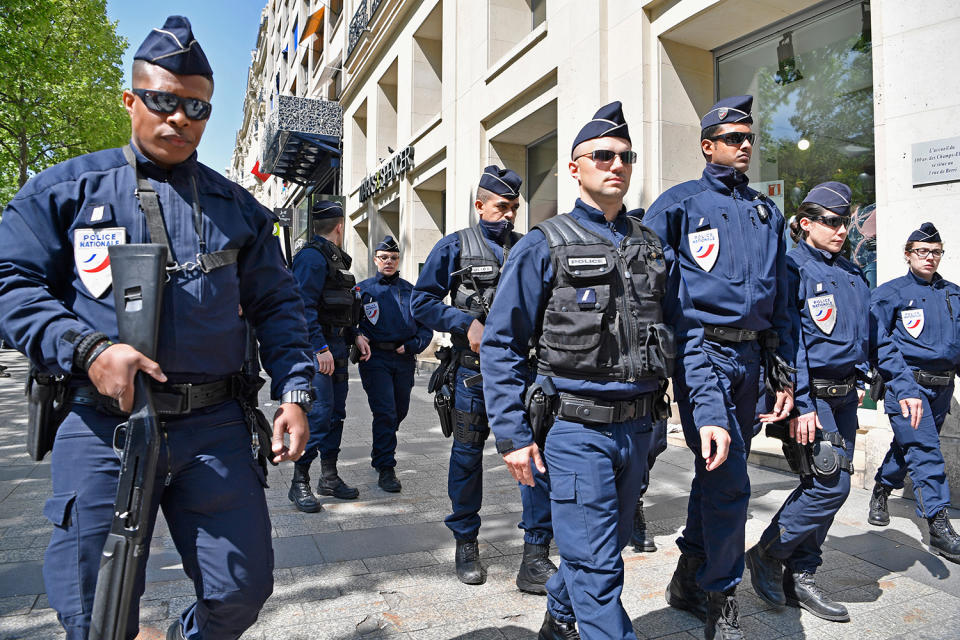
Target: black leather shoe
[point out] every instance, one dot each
(332, 485)
(879, 516)
(943, 539)
(766, 573)
(535, 569)
(683, 592)
(723, 616)
(300, 493)
(175, 632)
(802, 591)
(388, 480)
(640, 539)
(553, 629)
(469, 568)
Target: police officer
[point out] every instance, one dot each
(388, 339)
(602, 303)
(729, 242)
(467, 265)
(322, 270)
(918, 316)
(59, 311)
(829, 298)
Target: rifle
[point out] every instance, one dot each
(138, 275)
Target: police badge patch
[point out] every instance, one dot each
(372, 311)
(823, 310)
(912, 320)
(91, 257)
(704, 247)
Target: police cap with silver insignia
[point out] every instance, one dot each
(834, 196)
(607, 122)
(502, 182)
(388, 244)
(326, 209)
(926, 233)
(174, 48)
(729, 111)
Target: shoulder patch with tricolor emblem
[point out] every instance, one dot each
(912, 320)
(91, 257)
(372, 311)
(704, 247)
(823, 311)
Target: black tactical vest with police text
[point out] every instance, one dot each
(338, 305)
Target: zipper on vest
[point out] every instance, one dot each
(631, 352)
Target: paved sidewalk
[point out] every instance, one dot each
(382, 566)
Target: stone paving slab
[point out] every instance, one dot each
(382, 566)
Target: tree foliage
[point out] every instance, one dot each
(60, 85)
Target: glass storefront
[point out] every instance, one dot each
(812, 80)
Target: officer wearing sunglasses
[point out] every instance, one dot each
(729, 242)
(59, 311)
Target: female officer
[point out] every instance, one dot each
(920, 315)
(829, 302)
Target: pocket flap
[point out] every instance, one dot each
(563, 486)
(57, 509)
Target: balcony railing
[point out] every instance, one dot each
(301, 142)
(358, 24)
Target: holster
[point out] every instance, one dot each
(354, 356)
(47, 406)
(824, 458)
(541, 401)
(443, 403)
(661, 404)
(777, 374)
(261, 430)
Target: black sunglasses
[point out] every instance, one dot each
(833, 221)
(169, 102)
(605, 155)
(734, 138)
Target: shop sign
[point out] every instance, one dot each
(936, 161)
(285, 214)
(387, 174)
(773, 189)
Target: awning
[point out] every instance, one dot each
(314, 23)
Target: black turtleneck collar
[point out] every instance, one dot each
(392, 279)
(727, 176)
(152, 170)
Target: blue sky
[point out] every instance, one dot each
(227, 30)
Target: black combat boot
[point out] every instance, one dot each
(803, 592)
(723, 616)
(879, 516)
(175, 632)
(388, 480)
(553, 629)
(640, 539)
(683, 592)
(766, 573)
(332, 485)
(535, 569)
(469, 568)
(300, 493)
(942, 536)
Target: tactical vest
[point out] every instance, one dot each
(603, 318)
(338, 305)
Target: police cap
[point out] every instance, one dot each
(174, 48)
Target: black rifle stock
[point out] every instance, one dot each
(138, 276)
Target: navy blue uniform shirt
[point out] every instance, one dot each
(387, 316)
(517, 315)
(730, 244)
(201, 334)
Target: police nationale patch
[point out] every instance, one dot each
(481, 269)
(91, 257)
(372, 311)
(823, 311)
(704, 247)
(722, 112)
(912, 320)
(598, 261)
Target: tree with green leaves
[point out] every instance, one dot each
(60, 86)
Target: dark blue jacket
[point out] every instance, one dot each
(516, 317)
(310, 269)
(201, 334)
(387, 316)
(747, 285)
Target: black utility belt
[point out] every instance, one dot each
(331, 331)
(827, 388)
(729, 334)
(590, 411)
(470, 360)
(933, 378)
(386, 346)
(168, 399)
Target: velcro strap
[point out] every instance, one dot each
(463, 433)
(470, 360)
(729, 334)
(824, 388)
(589, 411)
(168, 399)
(217, 259)
(471, 418)
(933, 378)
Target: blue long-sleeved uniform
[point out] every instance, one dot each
(746, 286)
(518, 310)
(394, 318)
(310, 270)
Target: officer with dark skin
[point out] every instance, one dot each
(59, 311)
(327, 288)
(481, 250)
(388, 339)
(603, 305)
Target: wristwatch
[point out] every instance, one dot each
(302, 397)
